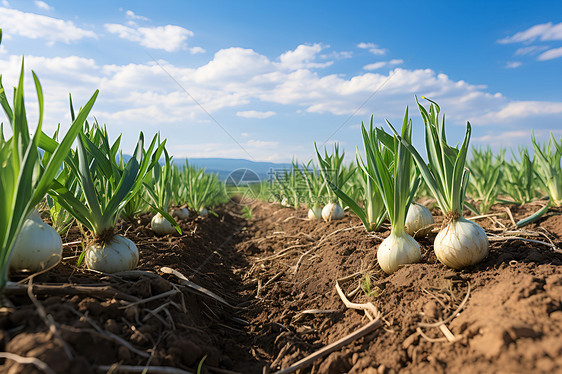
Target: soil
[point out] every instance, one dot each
(269, 300)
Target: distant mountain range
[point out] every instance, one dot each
(234, 167)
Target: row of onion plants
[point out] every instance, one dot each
(91, 185)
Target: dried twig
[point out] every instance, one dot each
(368, 328)
(152, 298)
(508, 210)
(200, 290)
(283, 252)
(370, 310)
(69, 289)
(300, 315)
(484, 216)
(501, 238)
(27, 361)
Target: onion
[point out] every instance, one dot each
(119, 254)
(285, 202)
(181, 213)
(396, 250)
(37, 247)
(315, 212)
(461, 243)
(203, 212)
(161, 226)
(332, 211)
(418, 220)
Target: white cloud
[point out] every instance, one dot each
(513, 64)
(522, 110)
(234, 65)
(131, 15)
(169, 38)
(531, 50)
(33, 26)
(375, 65)
(380, 64)
(550, 54)
(255, 114)
(303, 57)
(543, 32)
(5, 3)
(196, 50)
(43, 5)
(373, 48)
(141, 96)
(501, 138)
(261, 143)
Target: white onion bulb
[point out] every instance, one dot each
(332, 211)
(37, 247)
(315, 212)
(181, 213)
(161, 226)
(461, 243)
(203, 212)
(397, 250)
(285, 202)
(120, 254)
(418, 220)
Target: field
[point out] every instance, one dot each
(388, 263)
(275, 278)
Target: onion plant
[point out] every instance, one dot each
(202, 191)
(135, 206)
(105, 188)
(371, 209)
(335, 176)
(61, 219)
(291, 184)
(520, 181)
(24, 181)
(487, 172)
(548, 168)
(159, 190)
(315, 188)
(461, 242)
(397, 189)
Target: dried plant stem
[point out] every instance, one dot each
(27, 361)
(371, 326)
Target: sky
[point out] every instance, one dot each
(265, 80)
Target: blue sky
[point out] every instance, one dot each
(264, 80)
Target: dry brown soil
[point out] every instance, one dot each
(504, 315)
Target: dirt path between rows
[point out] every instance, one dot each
(268, 299)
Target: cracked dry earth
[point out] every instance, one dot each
(254, 296)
